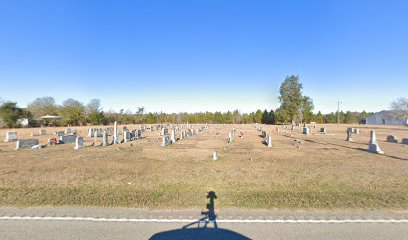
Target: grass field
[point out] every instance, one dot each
(326, 172)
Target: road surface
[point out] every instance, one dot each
(121, 223)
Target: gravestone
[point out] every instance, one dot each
(392, 139)
(109, 130)
(268, 141)
(95, 131)
(323, 130)
(165, 141)
(165, 132)
(11, 136)
(68, 138)
(115, 132)
(91, 132)
(173, 136)
(215, 155)
(67, 130)
(138, 134)
(373, 145)
(230, 137)
(349, 137)
(59, 133)
(306, 130)
(95, 136)
(26, 143)
(404, 141)
(182, 135)
(126, 135)
(79, 143)
(263, 134)
(105, 138)
(356, 130)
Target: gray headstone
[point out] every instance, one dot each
(374, 148)
(349, 137)
(68, 138)
(59, 133)
(126, 135)
(67, 130)
(105, 138)
(79, 143)
(306, 130)
(11, 136)
(165, 141)
(392, 139)
(26, 143)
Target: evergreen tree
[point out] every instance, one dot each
(290, 99)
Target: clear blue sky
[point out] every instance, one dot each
(175, 56)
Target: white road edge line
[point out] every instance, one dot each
(92, 219)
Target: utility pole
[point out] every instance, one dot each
(338, 112)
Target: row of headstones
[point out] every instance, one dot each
(67, 131)
(35, 144)
(394, 139)
(350, 132)
(167, 140)
(373, 144)
(306, 130)
(127, 137)
(13, 136)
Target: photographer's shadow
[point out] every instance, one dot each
(202, 231)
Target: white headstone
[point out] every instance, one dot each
(269, 141)
(215, 155)
(115, 132)
(230, 138)
(173, 136)
(126, 135)
(373, 145)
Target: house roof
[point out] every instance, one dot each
(392, 114)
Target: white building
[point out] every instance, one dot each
(388, 118)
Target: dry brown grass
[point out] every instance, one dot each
(327, 172)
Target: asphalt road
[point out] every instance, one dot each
(95, 223)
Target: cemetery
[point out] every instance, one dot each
(169, 165)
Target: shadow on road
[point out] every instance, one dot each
(201, 231)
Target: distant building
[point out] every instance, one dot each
(397, 118)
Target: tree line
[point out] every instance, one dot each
(294, 108)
